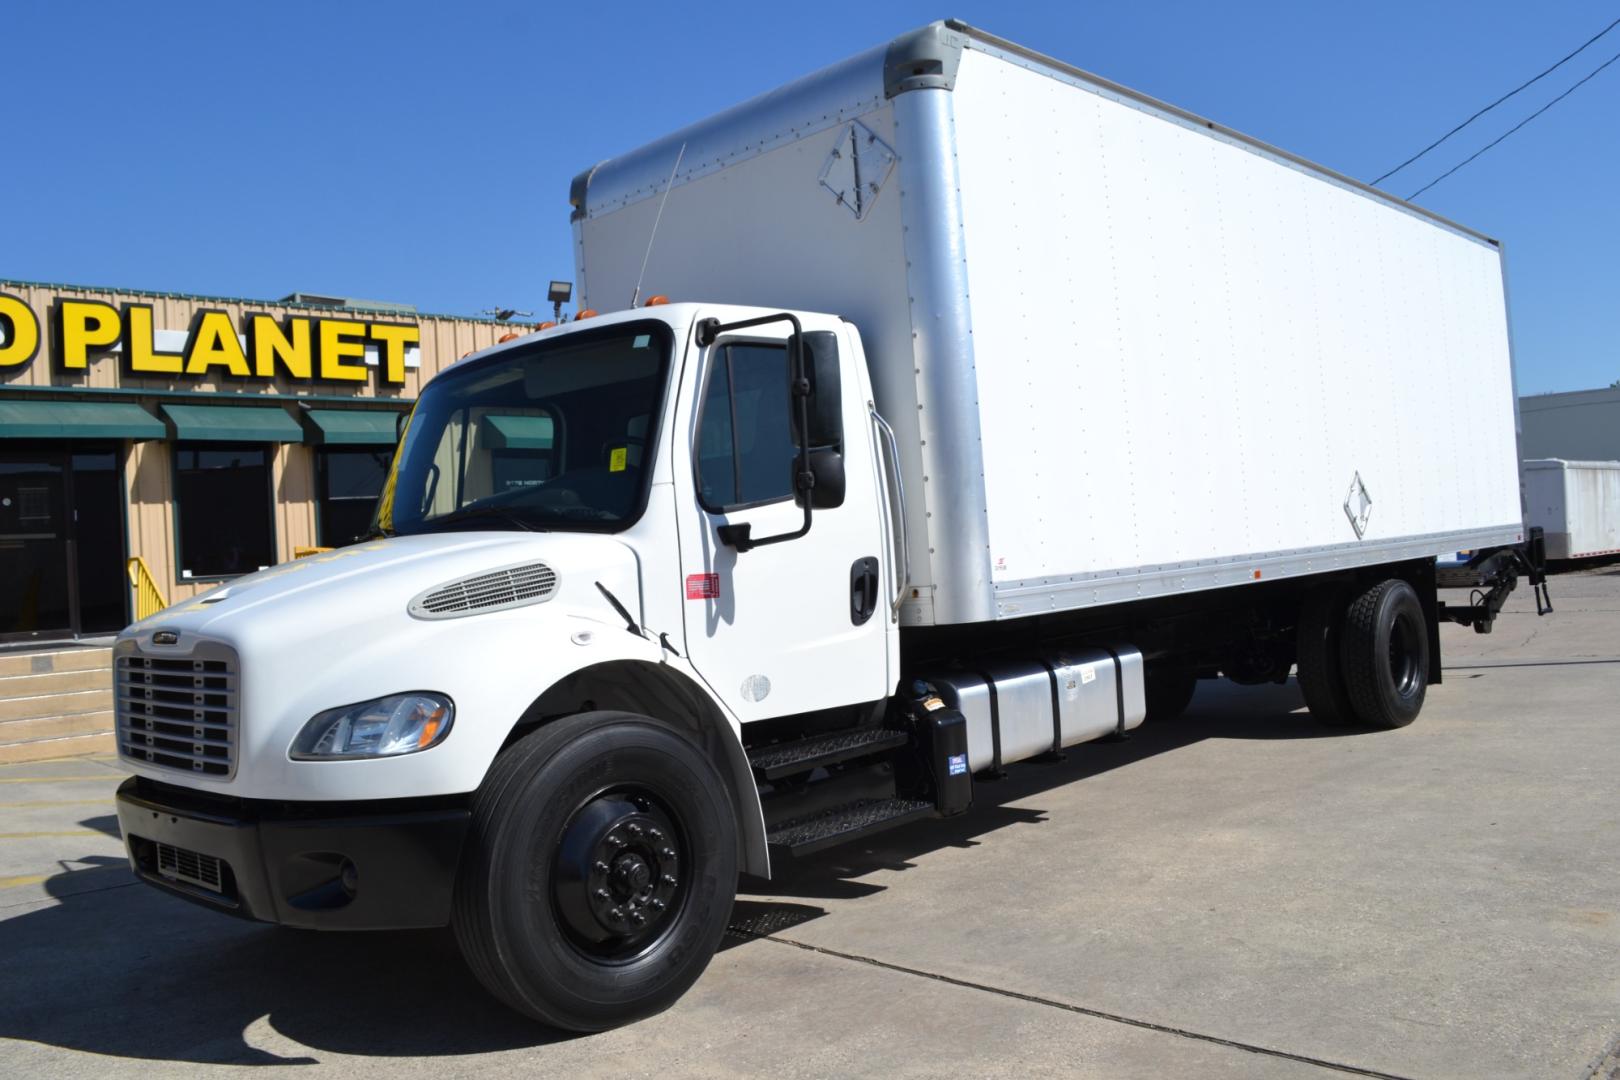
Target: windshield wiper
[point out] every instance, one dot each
(471, 512)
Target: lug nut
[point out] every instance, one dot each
(615, 915)
(655, 835)
(635, 830)
(615, 840)
(600, 867)
(637, 917)
(602, 894)
(669, 879)
(666, 853)
(657, 904)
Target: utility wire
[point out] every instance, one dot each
(1511, 130)
(1497, 102)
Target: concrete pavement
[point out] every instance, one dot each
(1238, 894)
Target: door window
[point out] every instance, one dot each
(745, 440)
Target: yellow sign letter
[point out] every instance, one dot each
(213, 343)
(393, 339)
(140, 353)
(83, 325)
(338, 341)
(270, 345)
(19, 332)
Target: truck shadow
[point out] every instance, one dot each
(117, 969)
(1220, 710)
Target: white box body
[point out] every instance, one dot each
(1577, 503)
(1127, 352)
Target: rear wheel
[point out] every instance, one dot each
(1321, 676)
(1385, 655)
(600, 871)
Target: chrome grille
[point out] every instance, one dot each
(178, 864)
(179, 712)
(513, 586)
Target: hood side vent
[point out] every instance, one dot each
(497, 590)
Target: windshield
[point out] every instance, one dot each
(555, 435)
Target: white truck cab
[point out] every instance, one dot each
(975, 445)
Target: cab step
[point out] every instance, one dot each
(787, 759)
(840, 824)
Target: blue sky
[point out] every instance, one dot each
(422, 152)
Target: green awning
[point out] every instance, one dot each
(77, 420)
(518, 432)
(353, 427)
(233, 423)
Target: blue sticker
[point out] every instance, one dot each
(957, 764)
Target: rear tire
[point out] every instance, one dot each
(1385, 655)
(1321, 677)
(599, 872)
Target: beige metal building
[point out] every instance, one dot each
(202, 436)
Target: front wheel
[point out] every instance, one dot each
(600, 871)
(1384, 654)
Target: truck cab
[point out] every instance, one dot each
(672, 522)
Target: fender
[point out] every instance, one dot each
(659, 688)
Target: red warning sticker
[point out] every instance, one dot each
(702, 586)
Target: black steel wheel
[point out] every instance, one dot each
(1320, 668)
(617, 879)
(1385, 655)
(599, 872)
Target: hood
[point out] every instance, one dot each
(363, 582)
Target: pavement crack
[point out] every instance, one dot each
(1098, 1014)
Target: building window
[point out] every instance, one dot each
(349, 483)
(222, 503)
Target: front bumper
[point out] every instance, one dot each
(388, 865)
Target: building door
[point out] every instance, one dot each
(61, 544)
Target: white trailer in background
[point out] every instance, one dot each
(997, 404)
(1576, 504)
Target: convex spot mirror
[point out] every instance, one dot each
(826, 441)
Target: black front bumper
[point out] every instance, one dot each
(388, 865)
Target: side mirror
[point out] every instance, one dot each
(827, 466)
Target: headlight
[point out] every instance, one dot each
(383, 727)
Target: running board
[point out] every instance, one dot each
(840, 824)
(788, 759)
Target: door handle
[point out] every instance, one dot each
(863, 589)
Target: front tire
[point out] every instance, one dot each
(1385, 655)
(599, 872)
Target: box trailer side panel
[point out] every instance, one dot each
(1125, 356)
(1577, 503)
(1188, 351)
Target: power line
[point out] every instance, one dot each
(1497, 102)
(1511, 130)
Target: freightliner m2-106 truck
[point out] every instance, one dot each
(997, 405)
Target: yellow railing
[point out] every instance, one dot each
(306, 552)
(148, 599)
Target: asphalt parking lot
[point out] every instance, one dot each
(1241, 893)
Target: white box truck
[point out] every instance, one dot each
(1577, 506)
(996, 406)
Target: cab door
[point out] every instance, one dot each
(803, 624)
